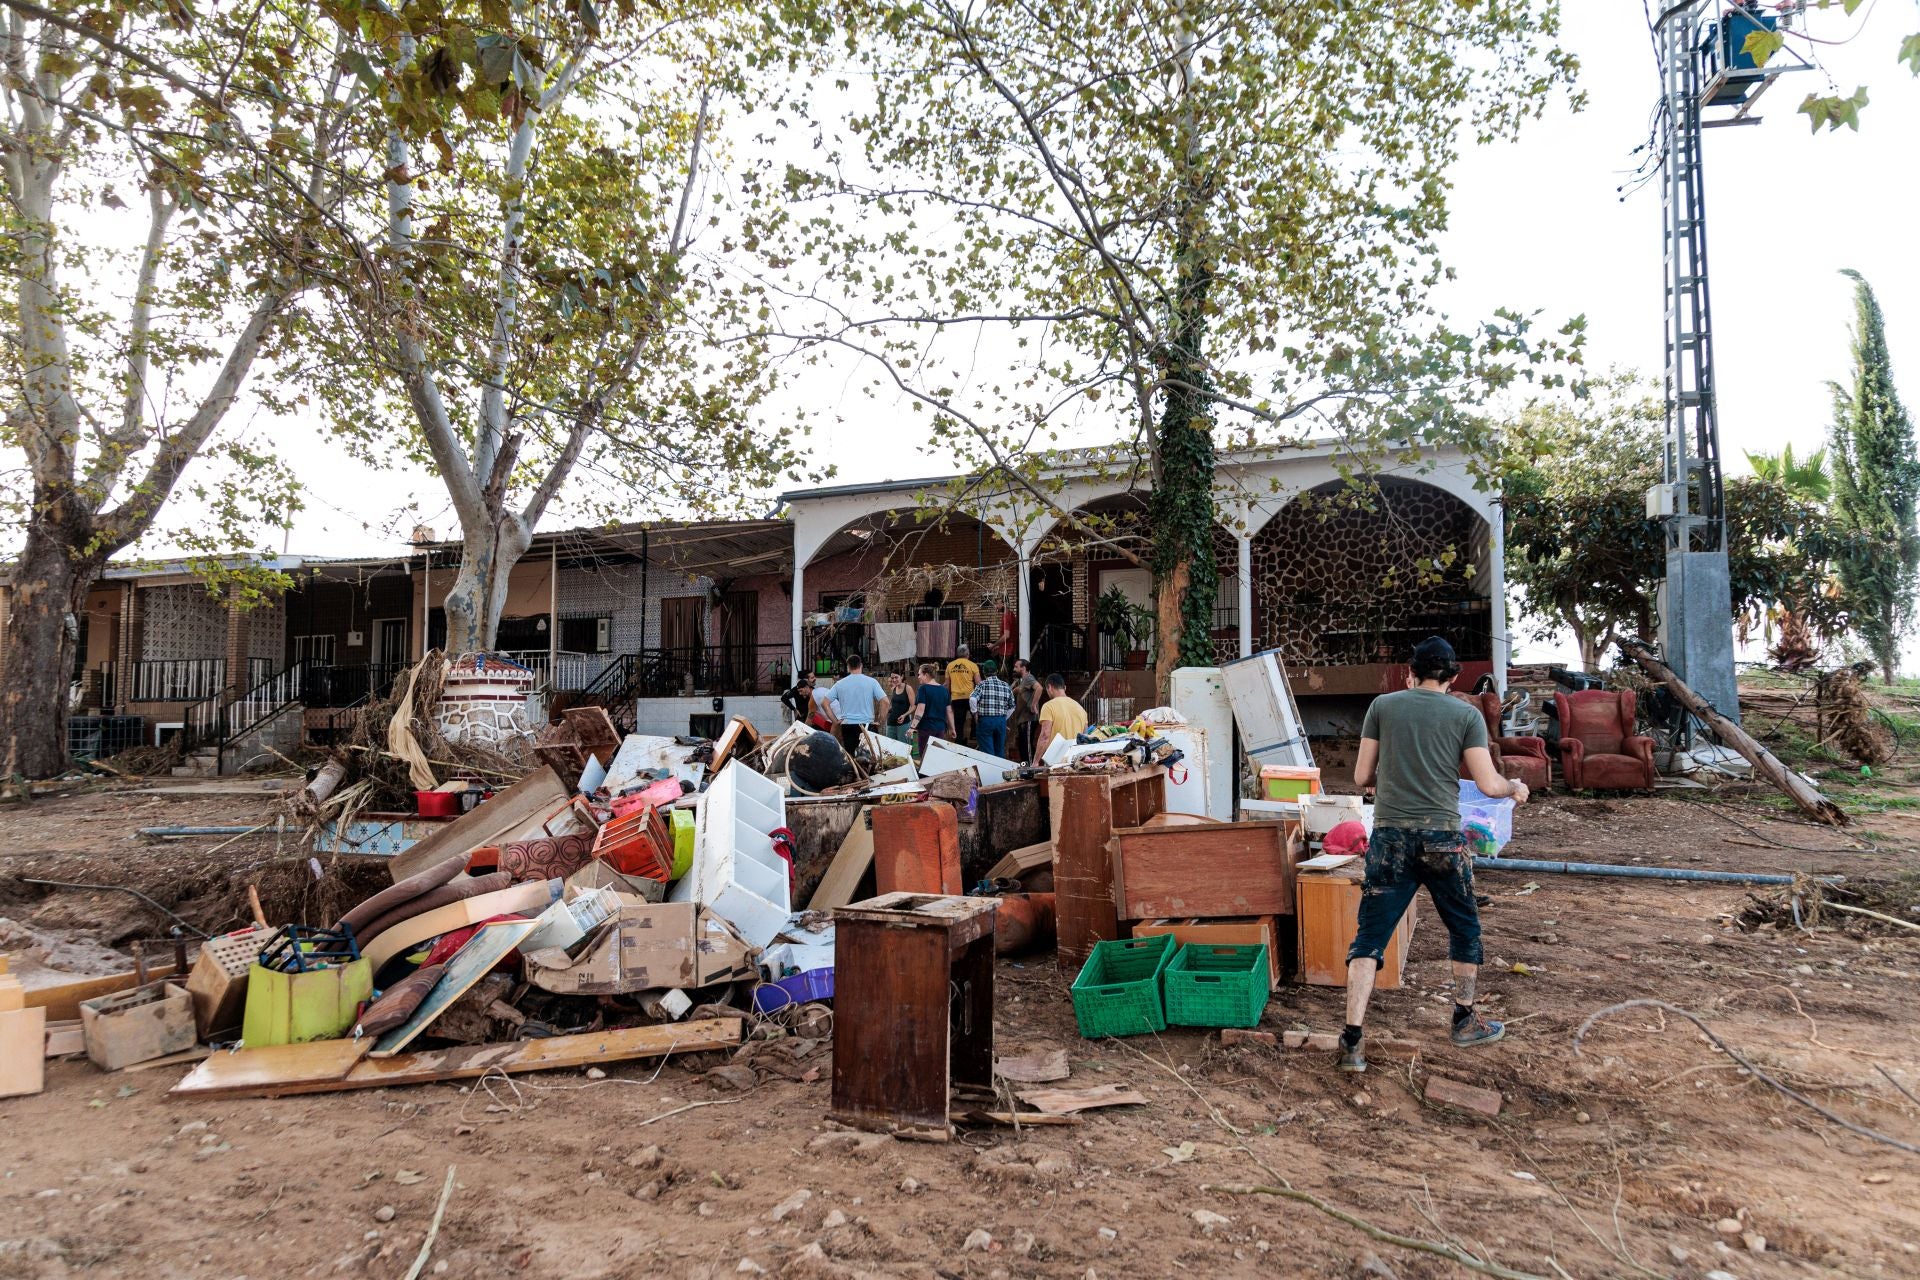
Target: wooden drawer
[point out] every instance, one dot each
(1329, 916)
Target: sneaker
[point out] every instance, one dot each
(1478, 1030)
(1352, 1058)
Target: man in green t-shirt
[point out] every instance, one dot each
(1412, 746)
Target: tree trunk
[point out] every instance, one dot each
(1186, 579)
(478, 596)
(49, 596)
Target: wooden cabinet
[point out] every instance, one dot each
(1329, 916)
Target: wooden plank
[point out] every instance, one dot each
(23, 1052)
(1222, 869)
(1063, 1102)
(1011, 1119)
(179, 1059)
(842, 881)
(461, 1062)
(65, 1036)
(1021, 861)
(62, 1003)
(471, 963)
(533, 896)
(507, 815)
(285, 1067)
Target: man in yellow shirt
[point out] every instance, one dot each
(962, 675)
(1060, 717)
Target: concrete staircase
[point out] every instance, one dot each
(203, 762)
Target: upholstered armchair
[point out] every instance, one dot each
(1598, 748)
(1522, 758)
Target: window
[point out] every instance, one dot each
(1226, 603)
(521, 635)
(317, 648)
(586, 635)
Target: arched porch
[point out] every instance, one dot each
(902, 585)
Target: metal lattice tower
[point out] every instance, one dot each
(1696, 508)
(1703, 65)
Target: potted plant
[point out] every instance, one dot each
(1130, 625)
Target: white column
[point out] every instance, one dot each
(799, 639)
(1026, 605)
(1497, 605)
(1245, 549)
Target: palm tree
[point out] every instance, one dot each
(1807, 479)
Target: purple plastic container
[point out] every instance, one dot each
(800, 988)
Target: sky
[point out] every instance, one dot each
(1538, 224)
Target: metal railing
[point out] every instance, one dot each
(263, 701)
(178, 679)
(329, 684)
(709, 669)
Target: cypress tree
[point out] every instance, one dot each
(1876, 488)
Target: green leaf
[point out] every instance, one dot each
(1761, 45)
(1910, 53)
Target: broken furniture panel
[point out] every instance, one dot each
(1086, 809)
(916, 849)
(1210, 870)
(913, 1016)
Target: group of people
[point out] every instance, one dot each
(1014, 716)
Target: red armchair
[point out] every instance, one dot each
(1522, 758)
(1598, 747)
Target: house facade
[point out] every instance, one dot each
(675, 626)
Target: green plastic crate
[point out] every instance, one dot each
(1118, 990)
(1217, 985)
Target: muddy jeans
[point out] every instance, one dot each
(1399, 861)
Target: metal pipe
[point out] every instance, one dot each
(120, 888)
(1639, 873)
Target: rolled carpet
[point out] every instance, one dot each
(453, 891)
(404, 891)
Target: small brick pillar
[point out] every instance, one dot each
(126, 655)
(239, 634)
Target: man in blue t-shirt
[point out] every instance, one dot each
(858, 702)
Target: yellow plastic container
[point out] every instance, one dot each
(293, 1008)
(1288, 782)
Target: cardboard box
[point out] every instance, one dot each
(1254, 931)
(1329, 916)
(648, 945)
(134, 1026)
(599, 875)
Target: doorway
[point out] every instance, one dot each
(739, 641)
(390, 643)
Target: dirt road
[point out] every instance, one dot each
(1650, 1153)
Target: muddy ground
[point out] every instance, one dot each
(1626, 1159)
